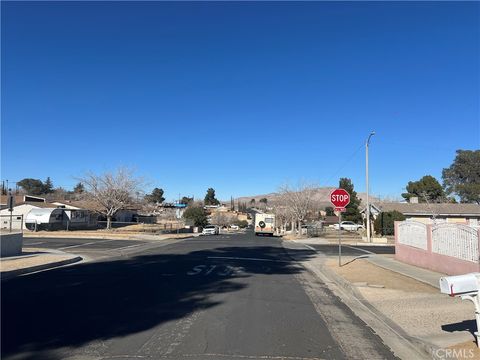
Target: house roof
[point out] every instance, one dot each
(21, 199)
(90, 205)
(442, 209)
(42, 205)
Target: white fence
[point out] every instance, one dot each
(412, 233)
(15, 225)
(456, 240)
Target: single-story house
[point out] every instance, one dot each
(19, 214)
(71, 218)
(442, 212)
(330, 220)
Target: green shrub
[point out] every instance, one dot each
(197, 215)
(385, 222)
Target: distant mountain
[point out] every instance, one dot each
(321, 195)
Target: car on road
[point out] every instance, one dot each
(234, 227)
(349, 226)
(211, 230)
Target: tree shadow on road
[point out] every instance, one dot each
(72, 306)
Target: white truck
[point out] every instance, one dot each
(264, 224)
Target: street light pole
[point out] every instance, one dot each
(367, 143)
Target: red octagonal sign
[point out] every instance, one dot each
(340, 198)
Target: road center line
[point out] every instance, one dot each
(355, 248)
(310, 247)
(242, 258)
(89, 243)
(128, 247)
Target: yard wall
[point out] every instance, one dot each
(451, 249)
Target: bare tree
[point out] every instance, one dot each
(112, 191)
(298, 200)
(223, 219)
(283, 214)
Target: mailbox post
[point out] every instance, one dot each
(466, 287)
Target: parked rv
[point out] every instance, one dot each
(264, 224)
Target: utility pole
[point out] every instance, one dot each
(367, 143)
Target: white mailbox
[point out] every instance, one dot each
(460, 285)
(467, 288)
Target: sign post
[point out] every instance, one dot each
(10, 203)
(339, 198)
(339, 239)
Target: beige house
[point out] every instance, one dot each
(468, 214)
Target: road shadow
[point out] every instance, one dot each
(71, 306)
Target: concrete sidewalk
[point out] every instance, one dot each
(401, 302)
(333, 241)
(33, 260)
(426, 276)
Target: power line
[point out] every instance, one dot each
(350, 158)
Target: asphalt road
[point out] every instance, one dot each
(216, 297)
(353, 250)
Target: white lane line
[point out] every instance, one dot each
(355, 248)
(74, 246)
(89, 243)
(128, 247)
(35, 243)
(310, 247)
(242, 258)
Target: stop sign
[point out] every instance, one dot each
(340, 198)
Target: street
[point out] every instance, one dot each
(215, 297)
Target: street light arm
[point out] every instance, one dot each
(369, 137)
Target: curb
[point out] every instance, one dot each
(427, 348)
(351, 297)
(6, 275)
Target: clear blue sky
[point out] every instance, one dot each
(238, 96)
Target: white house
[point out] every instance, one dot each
(71, 218)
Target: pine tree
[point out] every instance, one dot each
(210, 197)
(79, 188)
(352, 212)
(48, 186)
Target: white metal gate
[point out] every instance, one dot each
(459, 241)
(412, 233)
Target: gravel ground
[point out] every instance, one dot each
(467, 350)
(416, 307)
